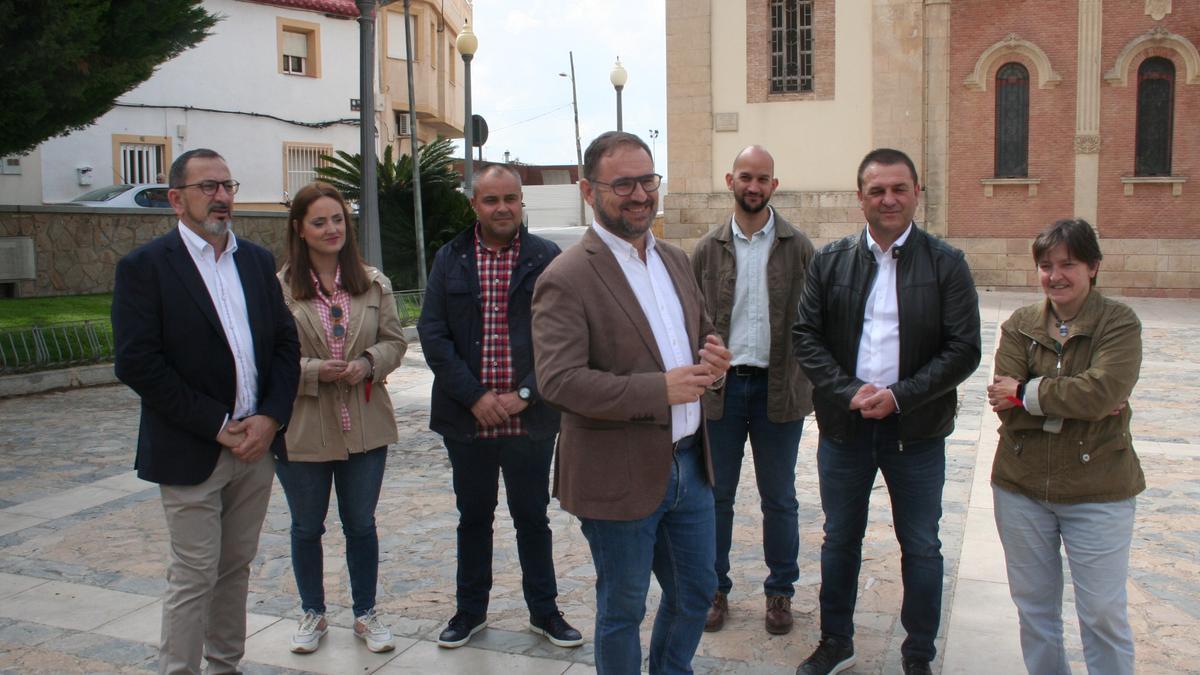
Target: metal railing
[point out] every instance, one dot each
(81, 342)
(55, 346)
(408, 306)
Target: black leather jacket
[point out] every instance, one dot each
(939, 332)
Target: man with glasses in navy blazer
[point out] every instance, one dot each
(204, 338)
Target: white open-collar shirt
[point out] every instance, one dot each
(655, 292)
(224, 286)
(879, 346)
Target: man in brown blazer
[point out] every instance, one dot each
(623, 347)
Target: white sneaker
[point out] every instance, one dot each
(378, 637)
(312, 628)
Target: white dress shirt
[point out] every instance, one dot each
(750, 319)
(655, 292)
(879, 346)
(224, 286)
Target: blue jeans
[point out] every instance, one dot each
(1096, 536)
(526, 465)
(306, 486)
(676, 542)
(915, 474)
(774, 446)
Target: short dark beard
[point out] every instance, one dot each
(619, 225)
(741, 200)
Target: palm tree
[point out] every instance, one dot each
(446, 210)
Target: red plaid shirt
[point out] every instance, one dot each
(323, 304)
(496, 370)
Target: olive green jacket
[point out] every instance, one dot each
(1065, 446)
(789, 394)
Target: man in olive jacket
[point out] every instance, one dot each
(751, 271)
(888, 327)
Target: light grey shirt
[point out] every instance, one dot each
(750, 318)
(655, 292)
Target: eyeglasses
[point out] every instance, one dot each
(209, 187)
(335, 312)
(623, 187)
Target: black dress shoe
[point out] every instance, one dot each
(916, 666)
(556, 629)
(460, 629)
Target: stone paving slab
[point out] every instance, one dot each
(79, 443)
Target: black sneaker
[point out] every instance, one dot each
(556, 629)
(831, 656)
(914, 665)
(460, 629)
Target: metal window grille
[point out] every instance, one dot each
(302, 162)
(1155, 117)
(791, 46)
(1012, 121)
(141, 163)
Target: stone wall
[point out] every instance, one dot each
(77, 249)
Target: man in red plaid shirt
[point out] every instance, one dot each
(477, 338)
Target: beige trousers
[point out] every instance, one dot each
(214, 528)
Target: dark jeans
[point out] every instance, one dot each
(676, 542)
(915, 474)
(306, 486)
(774, 446)
(526, 466)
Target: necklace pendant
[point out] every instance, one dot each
(1063, 329)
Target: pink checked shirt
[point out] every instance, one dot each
(324, 304)
(496, 371)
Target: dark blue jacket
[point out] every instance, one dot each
(171, 350)
(451, 330)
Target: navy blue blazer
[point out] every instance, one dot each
(451, 330)
(172, 351)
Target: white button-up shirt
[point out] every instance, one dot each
(750, 318)
(879, 346)
(224, 286)
(655, 292)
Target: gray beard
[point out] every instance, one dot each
(216, 228)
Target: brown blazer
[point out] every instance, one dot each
(315, 432)
(597, 361)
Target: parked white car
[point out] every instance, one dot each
(150, 196)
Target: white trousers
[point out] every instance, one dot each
(1096, 537)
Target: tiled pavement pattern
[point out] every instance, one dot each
(82, 546)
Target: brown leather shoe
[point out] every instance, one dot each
(716, 613)
(779, 614)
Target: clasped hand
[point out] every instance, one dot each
(874, 403)
(249, 438)
(337, 370)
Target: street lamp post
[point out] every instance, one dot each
(653, 144)
(467, 43)
(578, 145)
(619, 77)
(368, 203)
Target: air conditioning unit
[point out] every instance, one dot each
(402, 124)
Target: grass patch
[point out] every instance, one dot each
(26, 312)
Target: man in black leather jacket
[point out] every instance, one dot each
(888, 327)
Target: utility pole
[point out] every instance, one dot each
(578, 146)
(418, 215)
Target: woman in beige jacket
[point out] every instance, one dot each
(1065, 473)
(350, 339)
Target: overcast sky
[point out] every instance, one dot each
(524, 45)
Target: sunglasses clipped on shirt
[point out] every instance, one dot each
(336, 313)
